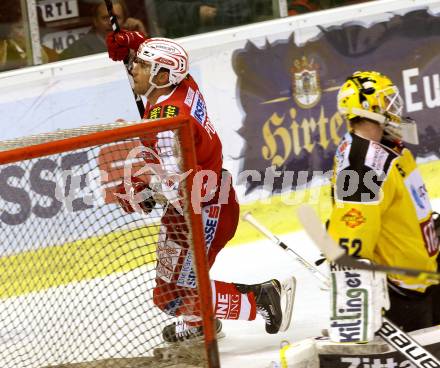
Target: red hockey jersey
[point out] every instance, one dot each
(187, 100)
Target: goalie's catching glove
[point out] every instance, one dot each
(137, 190)
(120, 43)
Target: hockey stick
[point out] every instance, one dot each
(313, 227)
(406, 345)
(312, 269)
(389, 332)
(288, 286)
(116, 28)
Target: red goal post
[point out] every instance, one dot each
(56, 258)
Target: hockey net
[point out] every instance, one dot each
(77, 272)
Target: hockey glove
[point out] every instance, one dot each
(137, 188)
(120, 43)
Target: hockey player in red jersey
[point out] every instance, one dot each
(160, 72)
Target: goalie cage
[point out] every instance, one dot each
(77, 272)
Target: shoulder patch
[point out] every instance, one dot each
(189, 97)
(419, 194)
(364, 168)
(198, 110)
(342, 153)
(376, 157)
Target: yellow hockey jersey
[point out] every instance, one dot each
(381, 209)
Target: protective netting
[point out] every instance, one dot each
(77, 272)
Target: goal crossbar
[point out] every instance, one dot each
(39, 146)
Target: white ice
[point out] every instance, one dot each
(98, 317)
(92, 320)
(246, 343)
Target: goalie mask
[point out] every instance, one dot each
(167, 54)
(373, 96)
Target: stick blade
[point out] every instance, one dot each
(314, 228)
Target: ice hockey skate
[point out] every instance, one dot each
(274, 301)
(182, 341)
(180, 331)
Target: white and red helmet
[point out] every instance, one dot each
(165, 53)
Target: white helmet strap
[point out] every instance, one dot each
(152, 87)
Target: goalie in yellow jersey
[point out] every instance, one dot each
(381, 213)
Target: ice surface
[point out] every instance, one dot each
(246, 343)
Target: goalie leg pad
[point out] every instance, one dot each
(357, 300)
(303, 353)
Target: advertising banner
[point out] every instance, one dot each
(270, 93)
(288, 92)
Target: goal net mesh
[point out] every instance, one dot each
(77, 272)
